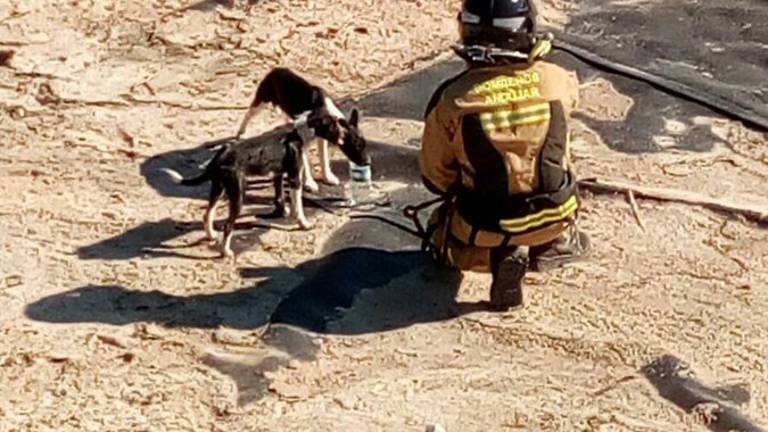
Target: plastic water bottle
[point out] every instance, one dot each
(359, 187)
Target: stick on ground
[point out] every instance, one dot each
(752, 213)
(635, 208)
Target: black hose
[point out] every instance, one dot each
(716, 103)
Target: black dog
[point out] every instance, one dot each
(280, 152)
(294, 95)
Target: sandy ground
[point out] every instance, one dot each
(115, 318)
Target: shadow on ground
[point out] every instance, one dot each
(311, 296)
(716, 47)
(677, 383)
(210, 5)
(347, 291)
(149, 239)
(647, 118)
(407, 97)
(351, 290)
(188, 162)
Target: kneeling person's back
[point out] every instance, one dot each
(495, 144)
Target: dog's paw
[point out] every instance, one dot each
(279, 212)
(311, 185)
(331, 179)
(227, 253)
(213, 236)
(305, 224)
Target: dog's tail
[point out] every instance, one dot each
(202, 178)
(179, 179)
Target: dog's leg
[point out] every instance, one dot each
(279, 196)
(325, 161)
(297, 207)
(210, 212)
(325, 157)
(235, 191)
(295, 181)
(309, 181)
(252, 112)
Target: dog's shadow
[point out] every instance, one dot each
(188, 162)
(149, 239)
(391, 162)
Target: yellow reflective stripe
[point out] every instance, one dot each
(523, 110)
(527, 109)
(505, 118)
(561, 209)
(540, 218)
(493, 125)
(543, 217)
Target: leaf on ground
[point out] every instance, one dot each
(5, 57)
(112, 340)
(290, 392)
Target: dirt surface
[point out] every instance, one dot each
(114, 317)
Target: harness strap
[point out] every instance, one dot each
(412, 213)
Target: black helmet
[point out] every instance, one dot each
(504, 24)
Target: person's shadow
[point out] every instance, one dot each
(317, 295)
(347, 291)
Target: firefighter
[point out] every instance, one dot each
(495, 145)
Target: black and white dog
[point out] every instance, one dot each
(280, 152)
(294, 95)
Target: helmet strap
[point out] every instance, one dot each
(541, 48)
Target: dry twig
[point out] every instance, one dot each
(635, 209)
(753, 213)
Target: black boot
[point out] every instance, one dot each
(508, 266)
(573, 245)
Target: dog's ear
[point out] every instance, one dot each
(354, 117)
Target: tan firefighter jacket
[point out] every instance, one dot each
(496, 141)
